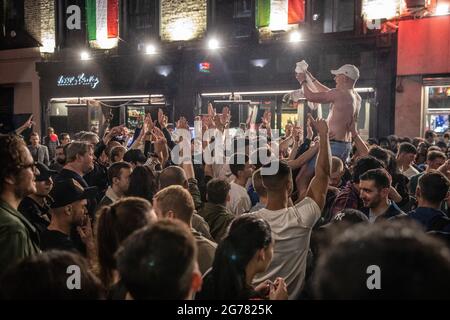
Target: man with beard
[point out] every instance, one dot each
(58, 163)
(69, 211)
(35, 207)
(374, 188)
(18, 238)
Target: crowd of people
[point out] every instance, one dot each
(140, 218)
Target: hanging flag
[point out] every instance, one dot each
(278, 14)
(102, 20)
(262, 13)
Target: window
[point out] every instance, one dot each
(232, 18)
(141, 20)
(332, 15)
(437, 105)
(11, 16)
(72, 37)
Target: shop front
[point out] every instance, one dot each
(423, 76)
(81, 95)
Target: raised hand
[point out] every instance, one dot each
(320, 125)
(225, 117)
(211, 110)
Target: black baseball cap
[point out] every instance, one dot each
(69, 191)
(44, 172)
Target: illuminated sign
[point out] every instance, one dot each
(81, 80)
(204, 67)
(380, 9)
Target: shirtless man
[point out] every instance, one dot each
(343, 116)
(345, 105)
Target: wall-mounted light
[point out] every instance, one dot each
(213, 44)
(295, 36)
(105, 43)
(182, 29)
(259, 63)
(150, 49)
(164, 70)
(48, 46)
(84, 55)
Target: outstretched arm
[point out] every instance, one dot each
(320, 86)
(317, 189)
(319, 97)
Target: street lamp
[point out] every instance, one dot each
(85, 55)
(213, 44)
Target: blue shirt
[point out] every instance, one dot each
(427, 216)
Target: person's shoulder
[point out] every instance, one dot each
(307, 204)
(203, 241)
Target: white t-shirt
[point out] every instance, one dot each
(291, 230)
(239, 200)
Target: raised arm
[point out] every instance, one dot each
(319, 97)
(317, 189)
(320, 87)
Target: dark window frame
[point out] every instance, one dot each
(317, 6)
(227, 26)
(128, 31)
(11, 23)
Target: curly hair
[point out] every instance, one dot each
(11, 155)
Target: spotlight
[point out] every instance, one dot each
(213, 44)
(150, 49)
(85, 56)
(295, 36)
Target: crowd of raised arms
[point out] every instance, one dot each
(292, 218)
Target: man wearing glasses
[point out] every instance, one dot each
(18, 238)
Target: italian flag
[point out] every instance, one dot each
(278, 14)
(102, 19)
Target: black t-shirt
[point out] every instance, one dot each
(34, 213)
(56, 240)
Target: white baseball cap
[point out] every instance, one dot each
(348, 70)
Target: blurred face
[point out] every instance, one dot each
(34, 140)
(60, 156)
(65, 140)
(123, 182)
(43, 188)
(119, 157)
(422, 149)
(384, 144)
(248, 170)
(50, 131)
(87, 161)
(436, 163)
(24, 180)
(335, 178)
(79, 212)
(407, 157)
(370, 194)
